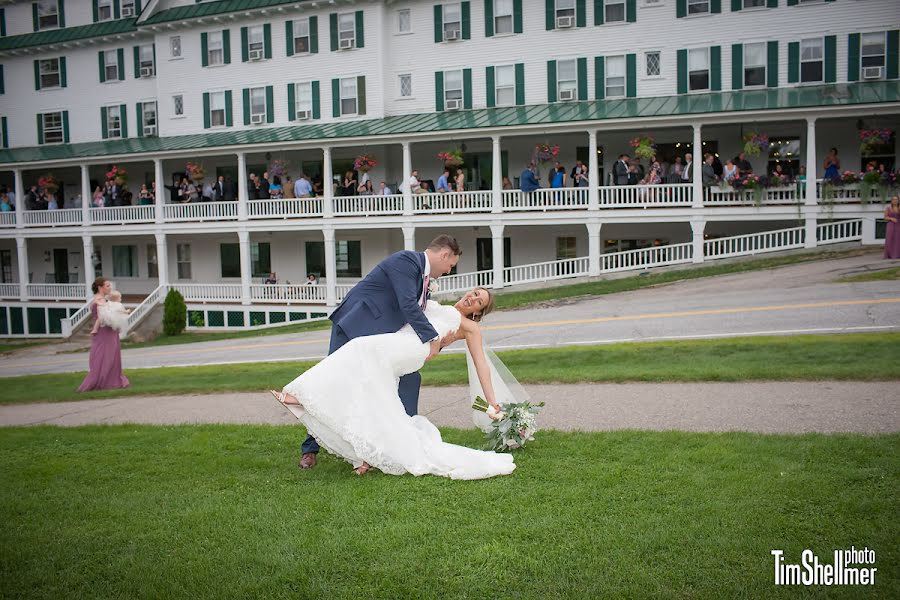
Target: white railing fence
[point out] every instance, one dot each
(345, 206)
(9, 290)
(463, 282)
(849, 193)
(754, 243)
(7, 219)
(201, 211)
(546, 271)
(123, 214)
(342, 289)
(644, 258)
(545, 199)
(286, 294)
(454, 202)
(727, 196)
(63, 216)
(70, 324)
(141, 310)
(209, 292)
(839, 231)
(57, 291)
(641, 196)
(287, 207)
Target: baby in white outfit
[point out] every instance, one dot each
(113, 313)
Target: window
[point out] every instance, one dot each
(505, 85)
(784, 151)
(347, 30)
(614, 11)
(110, 65)
(315, 258)
(261, 259)
(348, 258)
(49, 69)
(754, 3)
(754, 64)
(148, 111)
(303, 100)
(6, 266)
(127, 8)
(567, 78)
(104, 10)
(565, 8)
(215, 51)
(452, 20)
(453, 87)
(148, 69)
(696, 7)
(301, 36)
(113, 121)
(405, 85)
(255, 38)
(698, 69)
(566, 248)
(258, 102)
(404, 21)
(175, 46)
(615, 76)
(872, 50)
(348, 96)
(653, 64)
(152, 261)
(183, 258)
(230, 256)
(125, 261)
(217, 109)
(503, 16)
(48, 15)
(812, 60)
(53, 127)
(178, 105)
(484, 253)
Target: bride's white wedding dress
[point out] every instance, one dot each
(349, 403)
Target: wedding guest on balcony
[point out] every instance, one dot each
(580, 175)
(218, 189)
(743, 164)
(317, 185)
(263, 186)
(145, 198)
(687, 173)
(184, 191)
(384, 189)
(677, 170)
(349, 184)
(717, 166)
(276, 190)
(528, 181)
(311, 279)
(412, 184)
(730, 172)
(105, 362)
(289, 187)
(252, 187)
(832, 165)
(892, 237)
(5, 206)
(302, 187)
(708, 172)
(801, 180)
(558, 176)
(271, 279)
(460, 180)
(51, 202)
(621, 170)
(153, 190)
(9, 194)
(98, 199)
(507, 184)
(443, 185)
(206, 192)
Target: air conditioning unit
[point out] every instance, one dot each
(346, 44)
(303, 115)
(127, 11)
(150, 130)
(146, 71)
(565, 22)
(257, 119)
(566, 95)
(454, 104)
(256, 54)
(450, 35)
(872, 72)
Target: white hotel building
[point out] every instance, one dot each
(235, 84)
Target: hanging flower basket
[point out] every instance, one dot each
(278, 168)
(364, 163)
(544, 153)
(644, 147)
(195, 171)
(755, 143)
(850, 178)
(871, 140)
(48, 183)
(451, 158)
(117, 174)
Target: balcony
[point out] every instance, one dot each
(7, 219)
(55, 291)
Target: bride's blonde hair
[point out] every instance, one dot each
(487, 307)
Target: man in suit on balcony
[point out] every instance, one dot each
(218, 189)
(620, 171)
(528, 181)
(687, 174)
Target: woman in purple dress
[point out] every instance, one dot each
(892, 239)
(106, 354)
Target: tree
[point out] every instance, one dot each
(174, 313)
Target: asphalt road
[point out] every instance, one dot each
(788, 300)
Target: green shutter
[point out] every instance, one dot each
(270, 104)
(314, 35)
(715, 6)
(467, 88)
(715, 71)
(793, 61)
(853, 57)
(772, 64)
(550, 12)
(292, 101)
(316, 106)
(289, 37)
(360, 30)
(438, 24)
(104, 131)
(40, 128)
(489, 86)
(631, 11)
(246, 99)
(332, 21)
(335, 97)
(139, 119)
(137, 62)
(551, 81)
(582, 78)
(96, 10)
(137, 7)
(599, 78)
(62, 13)
(123, 116)
(117, 9)
(2, 22)
(737, 5)
(792, 2)
(245, 45)
(439, 91)
(35, 22)
(681, 8)
(226, 45)
(580, 13)
(154, 59)
(517, 16)
(204, 50)
(37, 74)
(102, 60)
(65, 127)
(229, 118)
(466, 21)
(893, 54)
(520, 84)
(267, 40)
(631, 75)
(120, 63)
(830, 58)
(682, 72)
(772, 3)
(737, 66)
(361, 95)
(488, 19)
(599, 17)
(2, 81)
(4, 132)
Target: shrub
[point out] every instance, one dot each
(174, 314)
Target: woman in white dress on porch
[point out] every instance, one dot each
(349, 401)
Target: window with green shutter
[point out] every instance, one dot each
(615, 11)
(217, 109)
(502, 17)
(737, 5)
(256, 43)
(565, 14)
(346, 30)
(452, 22)
(689, 8)
(456, 94)
(50, 73)
(302, 36)
(215, 48)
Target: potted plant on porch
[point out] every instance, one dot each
(755, 143)
(451, 158)
(195, 172)
(364, 163)
(118, 175)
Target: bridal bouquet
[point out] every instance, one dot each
(514, 425)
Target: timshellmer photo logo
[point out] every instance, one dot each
(810, 571)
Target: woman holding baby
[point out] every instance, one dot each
(106, 354)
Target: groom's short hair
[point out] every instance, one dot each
(445, 241)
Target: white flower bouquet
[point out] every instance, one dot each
(512, 427)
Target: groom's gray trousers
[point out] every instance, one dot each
(408, 388)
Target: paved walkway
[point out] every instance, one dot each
(765, 407)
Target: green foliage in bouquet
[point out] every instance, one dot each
(513, 427)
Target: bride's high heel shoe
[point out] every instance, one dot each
(362, 469)
(295, 407)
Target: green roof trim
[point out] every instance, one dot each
(208, 9)
(68, 34)
(390, 127)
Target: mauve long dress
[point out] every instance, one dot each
(105, 362)
(892, 237)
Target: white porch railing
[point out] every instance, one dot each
(642, 196)
(454, 202)
(7, 219)
(142, 309)
(201, 211)
(342, 289)
(70, 324)
(286, 294)
(52, 218)
(346, 206)
(716, 196)
(644, 258)
(209, 292)
(849, 193)
(464, 282)
(57, 291)
(9, 290)
(754, 243)
(839, 231)
(123, 214)
(546, 271)
(545, 199)
(285, 208)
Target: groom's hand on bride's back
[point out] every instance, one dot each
(434, 348)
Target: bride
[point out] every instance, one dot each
(349, 400)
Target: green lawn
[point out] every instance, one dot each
(190, 337)
(883, 275)
(858, 357)
(223, 512)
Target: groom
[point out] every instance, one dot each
(390, 296)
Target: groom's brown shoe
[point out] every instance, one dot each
(308, 461)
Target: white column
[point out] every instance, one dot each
(85, 197)
(330, 268)
(810, 232)
(243, 192)
(246, 266)
(158, 177)
(697, 170)
(409, 237)
(407, 171)
(87, 244)
(593, 175)
(497, 242)
(868, 231)
(811, 187)
(594, 254)
(698, 227)
(22, 258)
(162, 258)
(20, 198)
(497, 175)
(327, 184)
